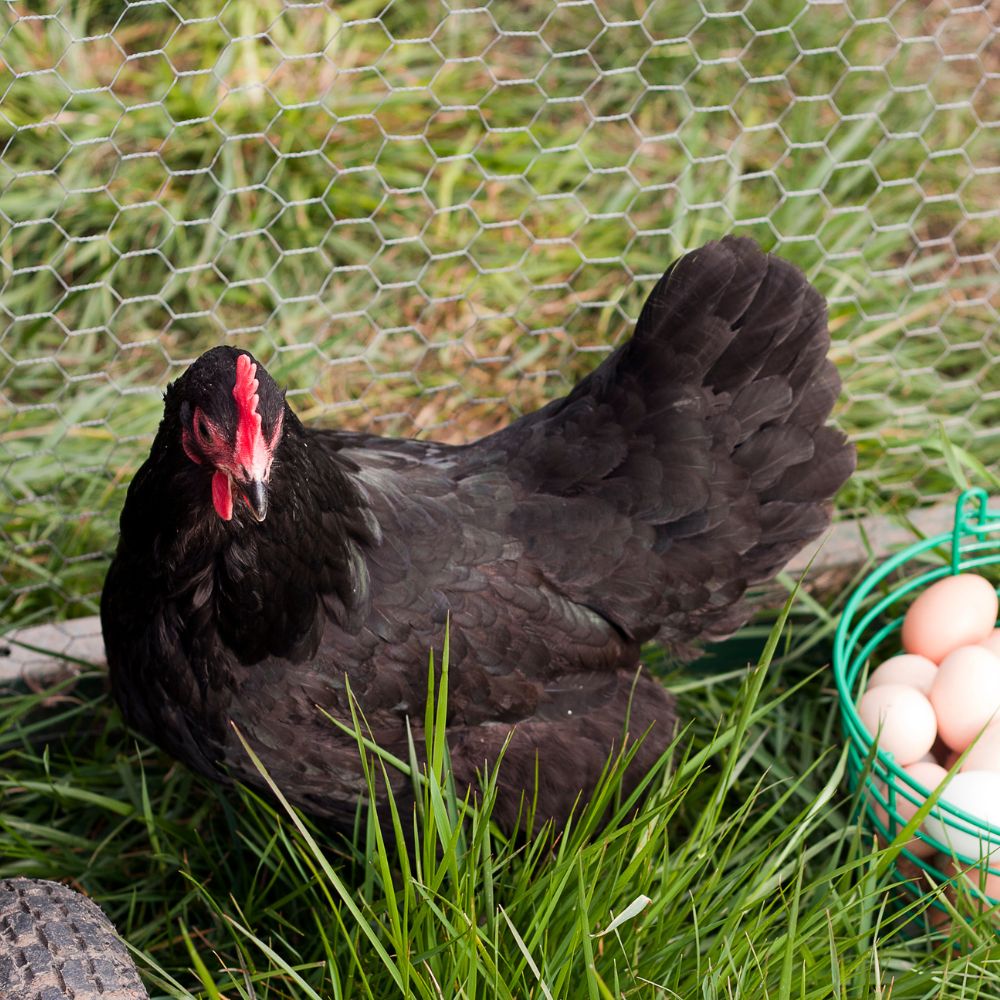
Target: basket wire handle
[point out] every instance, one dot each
(972, 518)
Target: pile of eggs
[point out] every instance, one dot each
(936, 700)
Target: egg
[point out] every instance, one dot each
(985, 752)
(992, 641)
(978, 794)
(955, 611)
(901, 718)
(966, 694)
(909, 669)
(928, 775)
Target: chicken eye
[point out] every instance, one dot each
(204, 430)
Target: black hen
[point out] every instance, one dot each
(693, 462)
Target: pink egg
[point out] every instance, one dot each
(985, 752)
(956, 611)
(992, 641)
(966, 694)
(902, 720)
(909, 669)
(928, 775)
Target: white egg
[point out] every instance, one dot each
(978, 794)
(901, 719)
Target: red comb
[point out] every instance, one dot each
(251, 449)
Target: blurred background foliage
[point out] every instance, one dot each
(427, 218)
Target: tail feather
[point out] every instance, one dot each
(705, 282)
(813, 408)
(817, 480)
(771, 451)
(704, 440)
(766, 401)
(770, 337)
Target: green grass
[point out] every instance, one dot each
(427, 237)
(740, 873)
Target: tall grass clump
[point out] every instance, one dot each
(736, 870)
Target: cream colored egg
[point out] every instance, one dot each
(966, 694)
(978, 794)
(985, 752)
(956, 611)
(902, 720)
(907, 668)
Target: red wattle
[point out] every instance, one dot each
(222, 496)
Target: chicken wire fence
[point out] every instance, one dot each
(427, 217)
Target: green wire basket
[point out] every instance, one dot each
(868, 633)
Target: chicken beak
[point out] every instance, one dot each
(255, 493)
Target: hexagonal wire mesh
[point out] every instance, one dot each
(427, 217)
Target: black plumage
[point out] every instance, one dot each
(694, 462)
